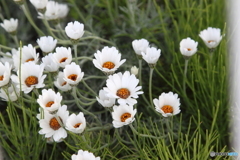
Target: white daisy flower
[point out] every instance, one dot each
(74, 30)
(73, 74)
(31, 77)
(5, 73)
(134, 70)
(63, 56)
(211, 37)
(10, 25)
(123, 87)
(167, 104)
(8, 58)
(84, 155)
(54, 127)
(108, 60)
(139, 46)
(61, 84)
(151, 55)
(123, 115)
(188, 47)
(104, 100)
(47, 43)
(50, 64)
(28, 55)
(10, 94)
(76, 123)
(49, 100)
(39, 4)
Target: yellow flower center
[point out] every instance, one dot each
(123, 93)
(63, 59)
(210, 41)
(167, 109)
(1, 77)
(54, 123)
(73, 77)
(125, 116)
(31, 80)
(30, 59)
(108, 65)
(49, 104)
(64, 83)
(189, 49)
(77, 125)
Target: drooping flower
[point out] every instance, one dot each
(47, 43)
(76, 123)
(5, 73)
(134, 70)
(61, 84)
(108, 60)
(140, 46)
(123, 87)
(50, 64)
(31, 77)
(10, 25)
(39, 4)
(53, 125)
(123, 115)
(188, 47)
(104, 100)
(151, 56)
(167, 104)
(74, 30)
(211, 37)
(10, 94)
(73, 74)
(84, 155)
(49, 100)
(63, 56)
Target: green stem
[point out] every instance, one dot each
(85, 84)
(150, 87)
(75, 53)
(185, 76)
(15, 40)
(97, 38)
(5, 47)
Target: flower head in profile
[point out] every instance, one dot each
(61, 84)
(104, 100)
(47, 43)
(31, 77)
(63, 56)
(108, 60)
(10, 25)
(188, 47)
(53, 125)
(211, 37)
(73, 74)
(139, 46)
(134, 70)
(84, 155)
(76, 123)
(10, 94)
(151, 56)
(167, 104)
(8, 58)
(50, 64)
(123, 115)
(5, 73)
(74, 30)
(123, 87)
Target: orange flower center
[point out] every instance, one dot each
(189, 49)
(77, 125)
(210, 41)
(31, 59)
(31, 80)
(49, 104)
(125, 116)
(167, 109)
(1, 77)
(123, 93)
(64, 83)
(54, 123)
(108, 65)
(63, 59)
(73, 77)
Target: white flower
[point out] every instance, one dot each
(134, 70)
(8, 58)
(76, 123)
(104, 100)
(211, 37)
(10, 94)
(61, 84)
(123, 87)
(31, 77)
(188, 47)
(47, 43)
(84, 155)
(53, 125)
(73, 74)
(28, 55)
(74, 30)
(151, 55)
(167, 104)
(5, 73)
(49, 100)
(123, 115)
(63, 56)
(50, 64)
(10, 25)
(39, 4)
(63, 10)
(108, 60)
(140, 46)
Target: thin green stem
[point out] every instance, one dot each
(5, 47)
(185, 76)
(15, 40)
(75, 53)
(150, 87)
(90, 89)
